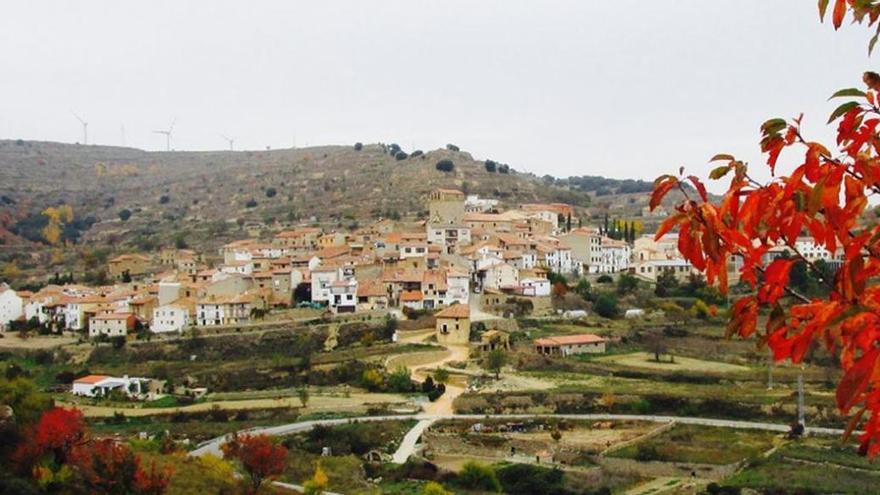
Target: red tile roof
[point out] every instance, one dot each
(560, 340)
(455, 311)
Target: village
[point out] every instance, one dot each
(511, 314)
(464, 253)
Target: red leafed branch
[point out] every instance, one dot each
(824, 196)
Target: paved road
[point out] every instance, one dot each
(408, 444)
(213, 446)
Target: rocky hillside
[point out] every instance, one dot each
(125, 196)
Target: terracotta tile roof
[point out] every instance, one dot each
(91, 379)
(438, 279)
(371, 288)
(332, 252)
(559, 340)
(113, 316)
(411, 295)
(456, 311)
(300, 232)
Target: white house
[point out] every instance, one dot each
(448, 236)
(558, 259)
(413, 250)
(614, 256)
(11, 306)
(500, 276)
(172, 317)
(535, 287)
(343, 296)
(238, 267)
(322, 278)
(457, 287)
(111, 325)
(103, 385)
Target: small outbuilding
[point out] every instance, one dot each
(567, 345)
(453, 325)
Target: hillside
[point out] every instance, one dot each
(205, 196)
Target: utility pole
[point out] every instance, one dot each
(801, 419)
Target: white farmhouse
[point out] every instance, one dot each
(535, 287)
(172, 317)
(11, 306)
(111, 325)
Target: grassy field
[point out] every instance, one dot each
(699, 444)
(646, 360)
(780, 473)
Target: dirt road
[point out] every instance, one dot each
(424, 366)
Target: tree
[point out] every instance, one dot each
(656, 344)
(271, 192)
(666, 285)
(55, 435)
(476, 476)
(627, 283)
(124, 214)
(400, 380)
(490, 166)
(109, 467)
(526, 479)
(606, 306)
(358, 146)
(302, 394)
(452, 147)
(494, 361)
(445, 165)
(259, 457)
(22, 395)
(441, 375)
(318, 483)
(584, 289)
(434, 488)
(826, 194)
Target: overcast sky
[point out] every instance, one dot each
(622, 89)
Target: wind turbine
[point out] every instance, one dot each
(85, 128)
(167, 134)
(229, 140)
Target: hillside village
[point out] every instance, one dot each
(466, 247)
(479, 308)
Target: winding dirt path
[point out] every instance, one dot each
(456, 384)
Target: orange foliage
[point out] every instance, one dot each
(824, 196)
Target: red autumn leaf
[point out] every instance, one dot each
(839, 13)
(856, 380)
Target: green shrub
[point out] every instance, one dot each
(358, 146)
(476, 476)
(606, 306)
(525, 479)
(645, 452)
(445, 165)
